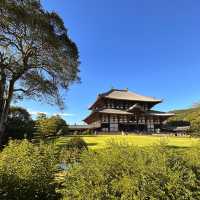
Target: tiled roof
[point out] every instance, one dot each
(128, 95)
(115, 111)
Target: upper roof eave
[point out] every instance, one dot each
(123, 99)
(138, 100)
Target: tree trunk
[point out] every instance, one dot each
(2, 134)
(4, 113)
(3, 120)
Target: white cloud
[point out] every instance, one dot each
(36, 112)
(64, 114)
(33, 112)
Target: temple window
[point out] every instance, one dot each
(145, 107)
(104, 118)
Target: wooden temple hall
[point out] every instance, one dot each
(123, 110)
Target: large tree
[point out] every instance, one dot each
(19, 125)
(37, 58)
(51, 126)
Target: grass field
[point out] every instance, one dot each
(101, 141)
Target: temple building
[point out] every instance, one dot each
(123, 110)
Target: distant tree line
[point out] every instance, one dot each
(20, 125)
(51, 126)
(191, 115)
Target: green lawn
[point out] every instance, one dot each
(100, 141)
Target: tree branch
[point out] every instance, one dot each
(20, 90)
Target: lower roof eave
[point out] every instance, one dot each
(160, 114)
(87, 119)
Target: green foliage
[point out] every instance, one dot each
(35, 52)
(72, 150)
(177, 123)
(38, 59)
(41, 116)
(69, 156)
(52, 126)
(27, 171)
(76, 143)
(87, 132)
(19, 124)
(127, 172)
(192, 115)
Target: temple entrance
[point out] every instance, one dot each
(133, 127)
(114, 127)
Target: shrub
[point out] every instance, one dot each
(27, 171)
(68, 157)
(87, 132)
(76, 143)
(71, 152)
(125, 172)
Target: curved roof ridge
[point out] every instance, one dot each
(142, 95)
(111, 90)
(125, 94)
(128, 95)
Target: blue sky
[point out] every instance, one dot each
(151, 47)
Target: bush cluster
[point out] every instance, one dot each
(71, 151)
(87, 132)
(76, 143)
(119, 172)
(124, 172)
(27, 171)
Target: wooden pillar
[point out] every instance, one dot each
(108, 122)
(118, 116)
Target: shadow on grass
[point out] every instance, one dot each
(84, 135)
(178, 148)
(63, 143)
(92, 144)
